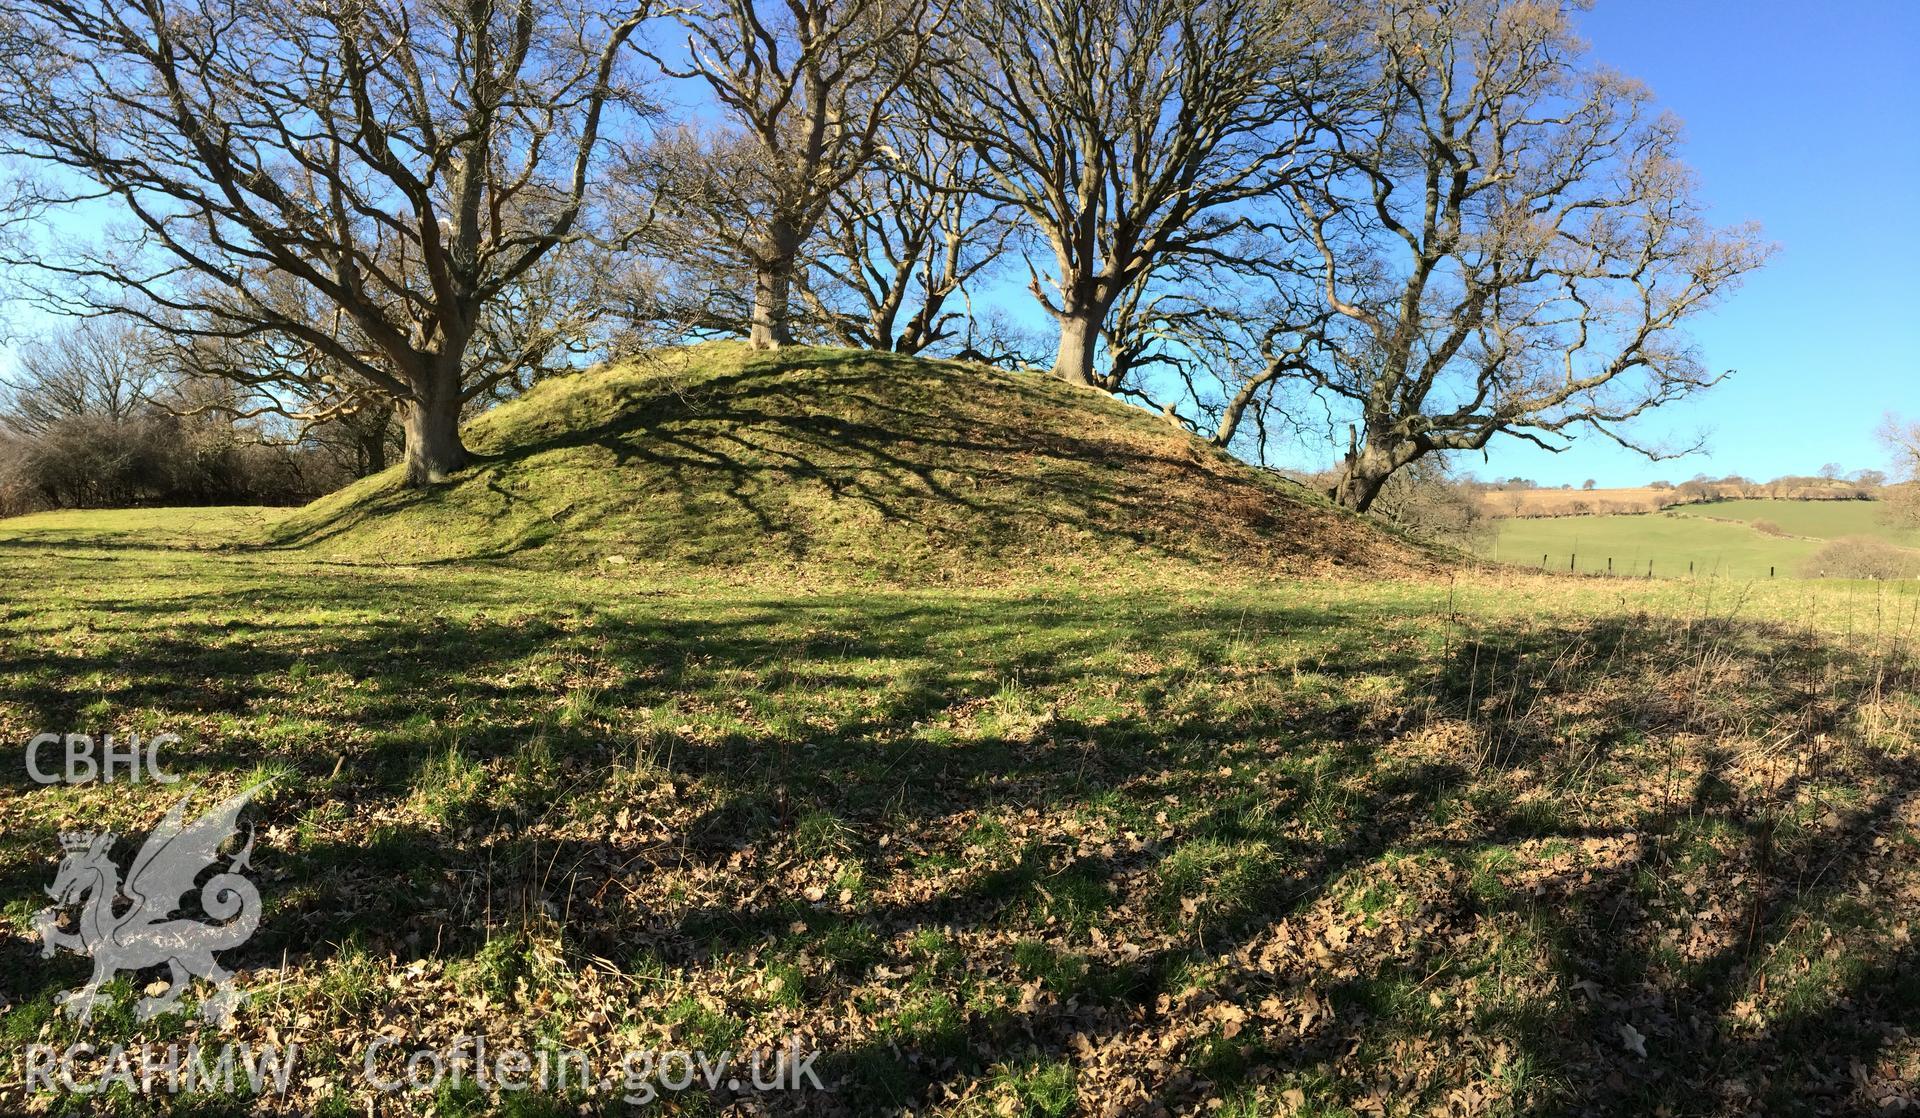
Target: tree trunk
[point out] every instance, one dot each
(773, 287)
(373, 453)
(1079, 333)
(1236, 410)
(1364, 472)
(432, 425)
(371, 438)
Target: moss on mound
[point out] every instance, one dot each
(841, 461)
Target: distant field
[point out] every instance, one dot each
(1826, 520)
(1601, 502)
(1706, 539)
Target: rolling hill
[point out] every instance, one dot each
(878, 465)
(1734, 539)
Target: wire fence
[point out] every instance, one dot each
(1635, 566)
(1641, 567)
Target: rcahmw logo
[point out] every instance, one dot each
(86, 1069)
(83, 758)
(128, 924)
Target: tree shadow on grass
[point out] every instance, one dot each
(1244, 802)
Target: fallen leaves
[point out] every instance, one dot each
(1632, 1040)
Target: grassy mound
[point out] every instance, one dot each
(846, 462)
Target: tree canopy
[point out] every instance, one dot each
(1406, 228)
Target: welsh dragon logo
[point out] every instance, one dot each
(131, 925)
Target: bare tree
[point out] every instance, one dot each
(901, 242)
(1132, 134)
(295, 392)
(1901, 438)
(95, 414)
(409, 163)
(284, 394)
(994, 337)
(807, 84)
(1210, 348)
(1510, 244)
(361, 441)
(88, 369)
(688, 276)
(1426, 500)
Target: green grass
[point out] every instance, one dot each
(1075, 805)
(1710, 539)
(966, 826)
(1825, 520)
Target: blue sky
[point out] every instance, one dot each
(1805, 117)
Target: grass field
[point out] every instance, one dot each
(1825, 520)
(1192, 845)
(1709, 539)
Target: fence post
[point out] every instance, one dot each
(1609, 564)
